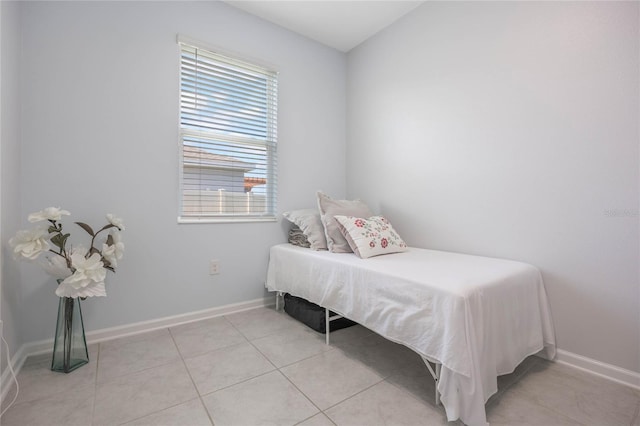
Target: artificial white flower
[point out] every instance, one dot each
(78, 276)
(91, 268)
(118, 244)
(109, 253)
(78, 249)
(30, 243)
(88, 277)
(116, 221)
(56, 266)
(91, 289)
(50, 213)
(115, 251)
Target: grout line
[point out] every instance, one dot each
(109, 379)
(161, 410)
(184, 363)
(240, 382)
(300, 390)
(309, 398)
(352, 396)
(95, 386)
(331, 348)
(316, 414)
(278, 369)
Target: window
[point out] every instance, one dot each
(228, 130)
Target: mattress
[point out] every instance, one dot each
(477, 316)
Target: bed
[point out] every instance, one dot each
(475, 317)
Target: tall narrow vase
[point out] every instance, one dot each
(70, 346)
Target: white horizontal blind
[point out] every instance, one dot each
(228, 127)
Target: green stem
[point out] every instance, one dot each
(65, 257)
(92, 241)
(68, 332)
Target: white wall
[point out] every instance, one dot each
(10, 172)
(100, 135)
(511, 130)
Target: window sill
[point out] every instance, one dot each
(195, 220)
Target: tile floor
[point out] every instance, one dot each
(262, 367)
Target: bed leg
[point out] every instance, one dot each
(279, 300)
(327, 328)
(436, 376)
(438, 369)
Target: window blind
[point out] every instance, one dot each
(228, 128)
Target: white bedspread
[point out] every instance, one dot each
(477, 316)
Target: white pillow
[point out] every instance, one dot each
(308, 220)
(329, 207)
(370, 237)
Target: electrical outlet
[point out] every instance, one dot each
(214, 267)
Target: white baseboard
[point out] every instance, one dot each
(44, 346)
(608, 371)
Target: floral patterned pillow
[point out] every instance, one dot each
(370, 237)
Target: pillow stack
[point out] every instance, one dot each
(345, 226)
(329, 208)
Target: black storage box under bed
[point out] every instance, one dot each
(312, 315)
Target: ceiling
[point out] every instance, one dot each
(341, 24)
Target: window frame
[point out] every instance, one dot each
(270, 141)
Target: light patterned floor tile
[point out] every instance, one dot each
(136, 395)
(330, 377)
(385, 404)
(416, 380)
(317, 420)
(361, 379)
(289, 346)
(200, 337)
(261, 322)
(190, 413)
(266, 400)
(136, 353)
(38, 381)
(582, 397)
(636, 419)
(64, 407)
(513, 408)
(226, 366)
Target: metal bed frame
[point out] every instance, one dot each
(433, 370)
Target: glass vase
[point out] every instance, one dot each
(70, 346)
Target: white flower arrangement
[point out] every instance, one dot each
(80, 272)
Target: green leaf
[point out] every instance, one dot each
(52, 229)
(110, 240)
(59, 240)
(86, 228)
